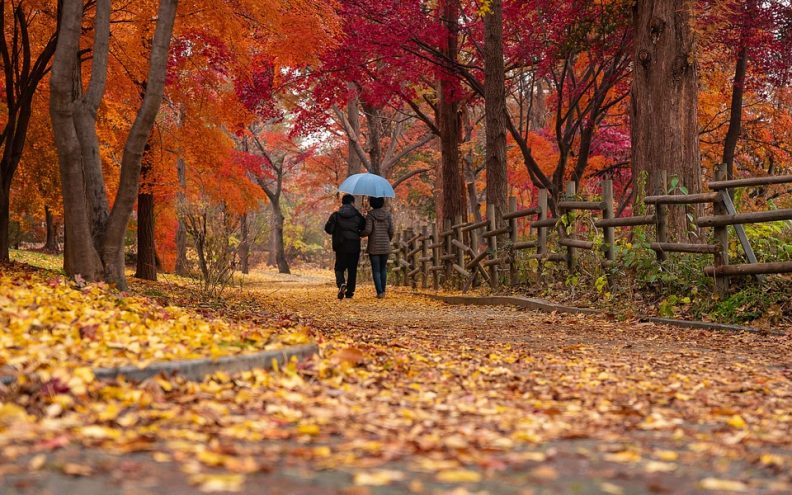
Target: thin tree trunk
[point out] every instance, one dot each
(22, 76)
(449, 120)
(354, 164)
(664, 101)
(735, 113)
(181, 229)
(244, 245)
(278, 244)
(5, 207)
(113, 240)
(51, 242)
(374, 121)
(495, 107)
(146, 251)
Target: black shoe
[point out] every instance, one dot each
(349, 296)
(341, 291)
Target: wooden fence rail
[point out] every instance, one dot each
(467, 253)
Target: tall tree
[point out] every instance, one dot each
(29, 35)
(664, 99)
(94, 235)
(448, 116)
(495, 105)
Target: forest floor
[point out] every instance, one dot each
(413, 396)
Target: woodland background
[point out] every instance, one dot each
(267, 108)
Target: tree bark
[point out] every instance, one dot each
(146, 250)
(22, 75)
(735, 113)
(244, 245)
(664, 100)
(181, 229)
(278, 246)
(113, 242)
(449, 121)
(51, 242)
(495, 107)
(5, 207)
(354, 164)
(80, 255)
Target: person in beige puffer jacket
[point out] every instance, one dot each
(379, 230)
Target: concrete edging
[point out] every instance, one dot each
(197, 369)
(548, 307)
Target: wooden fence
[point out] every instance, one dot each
(486, 250)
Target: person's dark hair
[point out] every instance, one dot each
(377, 202)
(347, 199)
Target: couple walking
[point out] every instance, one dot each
(347, 226)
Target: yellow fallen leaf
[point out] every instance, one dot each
(611, 488)
(736, 421)
(624, 456)
(37, 462)
(308, 429)
(379, 477)
(212, 483)
(771, 460)
(659, 467)
(73, 469)
(459, 476)
(666, 455)
(724, 485)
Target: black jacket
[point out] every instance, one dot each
(345, 226)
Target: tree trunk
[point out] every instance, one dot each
(113, 240)
(664, 101)
(80, 255)
(22, 76)
(51, 242)
(495, 107)
(244, 245)
(181, 229)
(146, 251)
(354, 164)
(735, 113)
(374, 121)
(278, 245)
(449, 122)
(5, 207)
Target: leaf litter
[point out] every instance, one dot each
(406, 388)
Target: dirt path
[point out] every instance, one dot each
(413, 396)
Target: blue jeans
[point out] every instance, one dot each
(379, 268)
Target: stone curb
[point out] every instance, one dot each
(548, 307)
(197, 369)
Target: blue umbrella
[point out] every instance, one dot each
(367, 185)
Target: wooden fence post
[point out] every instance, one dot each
(410, 261)
(449, 249)
(492, 243)
(541, 236)
(460, 237)
(397, 258)
(570, 251)
(424, 257)
(513, 240)
(721, 237)
(607, 213)
(660, 215)
(435, 258)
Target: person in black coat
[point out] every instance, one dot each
(345, 225)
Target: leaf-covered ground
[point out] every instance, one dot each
(412, 396)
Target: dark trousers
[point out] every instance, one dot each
(347, 262)
(379, 269)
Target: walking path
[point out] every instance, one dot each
(414, 396)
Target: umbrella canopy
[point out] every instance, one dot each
(367, 185)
